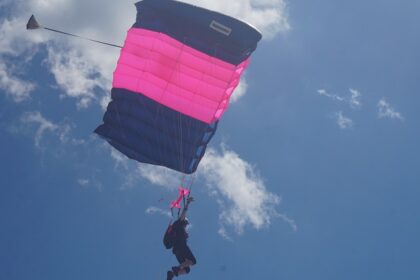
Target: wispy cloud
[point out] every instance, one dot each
(355, 99)
(343, 121)
(45, 126)
(55, 138)
(12, 69)
(16, 88)
(137, 172)
(269, 16)
(83, 182)
(76, 75)
(90, 181)
(240, 191)
(323, 92)
(386, 110)
(120, 159)
(80, 71)
(4, 3)
(223, 233)
(239, 91)
(15, 42)
(160, 176)
(155, 210)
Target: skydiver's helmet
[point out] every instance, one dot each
(185, 222)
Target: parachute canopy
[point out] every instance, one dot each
(176, 72)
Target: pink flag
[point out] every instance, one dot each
(182, 193)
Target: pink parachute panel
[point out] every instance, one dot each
(176, 75)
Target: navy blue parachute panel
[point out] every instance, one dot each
(150, 132)
(215, 34)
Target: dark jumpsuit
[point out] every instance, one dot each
(181, 249)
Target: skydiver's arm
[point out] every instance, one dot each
(184, 211)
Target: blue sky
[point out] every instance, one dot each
(313, 172)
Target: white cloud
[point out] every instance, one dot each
(355, 99)
(119, 158)
(156, 175)
(104, 101)
(4, 3)
(83, 182)
(14, 87)
(240, 192)
(387, 111)
(160, 176)
(239, 91)
(45, 126)
(155, 210)
(343, 122)
(13, 45)
(78, 68)
(222, 232)
(323, 92)
(91, 182)
(269, 16)
(15, 40)
(77, 76)
(292, 223)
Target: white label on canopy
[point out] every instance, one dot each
(220, 28)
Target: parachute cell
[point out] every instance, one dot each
(176, 72)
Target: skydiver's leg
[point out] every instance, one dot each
(185, 259)
(189, 258)
(186, 263)
(183, 270)
(169, 275)
(184, 267)
(176, 269)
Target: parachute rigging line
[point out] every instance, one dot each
(33, 24)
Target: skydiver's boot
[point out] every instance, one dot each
(169, 275)
(179, 270)
(175, 270)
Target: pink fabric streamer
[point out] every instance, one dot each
(182, 193)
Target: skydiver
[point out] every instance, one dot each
(180, 249)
